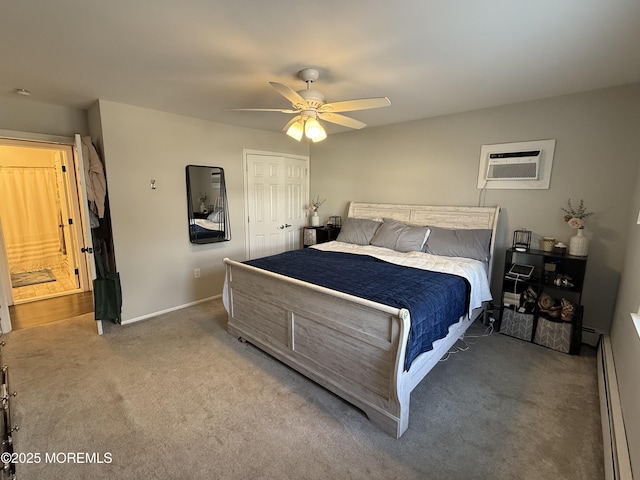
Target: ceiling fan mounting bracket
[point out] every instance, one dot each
(308, 75)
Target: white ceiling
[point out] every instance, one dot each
(430, 57)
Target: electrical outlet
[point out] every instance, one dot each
(196, 273)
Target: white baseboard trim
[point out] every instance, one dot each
(172, 309)
(617, 463)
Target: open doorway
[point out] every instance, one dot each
(41, 232)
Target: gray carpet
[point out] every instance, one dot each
(176, 397)
(23, 279)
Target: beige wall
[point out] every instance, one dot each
(26, 115)
(435, 161)
(153, 253)
(625, 340)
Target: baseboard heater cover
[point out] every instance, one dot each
(617, 463)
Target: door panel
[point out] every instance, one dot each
(87, 249)
(71, 231)
(276, 203)
(265, 191)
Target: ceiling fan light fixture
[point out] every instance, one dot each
(314, 131)
(320, 137)
(296, 130)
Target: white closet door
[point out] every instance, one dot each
(296, 200)
(276, 199)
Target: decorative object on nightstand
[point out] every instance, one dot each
(521, 240)
(560, 249)
(548, 243)
(579, 244)
(335, 221)
(575, 216)
(313, 208)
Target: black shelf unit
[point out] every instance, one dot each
(521, 315)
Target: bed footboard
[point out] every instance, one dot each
(353, 347)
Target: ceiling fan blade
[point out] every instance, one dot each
(359, 104)
(260, 110)
(287, 92)
(291, 122)
(341, 120)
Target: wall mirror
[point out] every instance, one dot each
(207, 205)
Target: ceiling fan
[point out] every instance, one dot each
(309, 106)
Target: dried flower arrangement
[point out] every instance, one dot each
(575, 215)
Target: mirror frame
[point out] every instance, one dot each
(216, 212)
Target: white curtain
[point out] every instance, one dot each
(30, 215)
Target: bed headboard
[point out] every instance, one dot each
(438, 216)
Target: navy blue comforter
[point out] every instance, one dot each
(435, 300)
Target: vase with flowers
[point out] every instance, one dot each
(203, 205)
(313, 209)
(575, 216)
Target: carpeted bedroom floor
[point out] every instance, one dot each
(176, 397)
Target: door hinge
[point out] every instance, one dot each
(64, 168)
(76, 271)
(71, 221)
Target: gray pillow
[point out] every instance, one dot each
(358, 230)
(459, 243)
(400, 237)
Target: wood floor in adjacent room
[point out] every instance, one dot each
(26, 315)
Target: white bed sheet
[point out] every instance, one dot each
(207, 224)
(473, 270)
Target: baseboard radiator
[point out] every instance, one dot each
(617, 464)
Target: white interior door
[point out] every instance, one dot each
(276, 192)
(87, 248)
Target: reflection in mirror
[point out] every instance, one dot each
(207, 205)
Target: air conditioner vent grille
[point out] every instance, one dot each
(524, 171)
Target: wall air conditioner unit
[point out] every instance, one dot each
(514, 165)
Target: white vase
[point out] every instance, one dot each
(579, 244)
(315, 220)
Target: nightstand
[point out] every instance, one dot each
(314, 235)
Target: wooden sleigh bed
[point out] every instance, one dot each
(352, 346)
